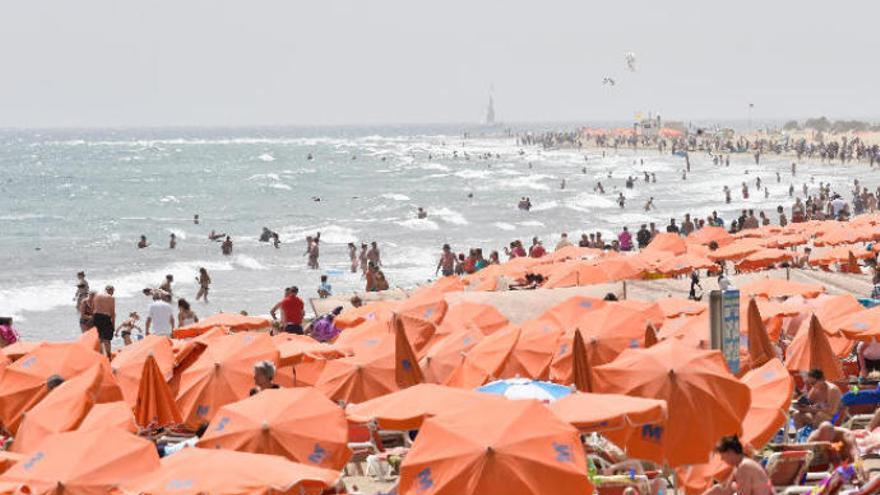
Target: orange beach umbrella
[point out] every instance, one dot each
(774, 287)
(771, 386)
(705, 402)
(194, 471)
(607, 412)
(300, 424)
(760, 347)
(516, 447)
(155, 405)
(81, 462)
(223, 373)
(360, 377)
(810, 349)
(109, 415)
(233, 321)
(445, 356)
(128, 365)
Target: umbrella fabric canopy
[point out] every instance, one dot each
(446, 355)
(612, 329)
(9, 459)
(109, 415)
(839, 254)
(576, 273)
(567, 313)
(515, 447)
(674, 307)
(361, 377)
(23, 380)
(407, 409)
(665, 241)
(525, 389)
(374, 310)
(82, 462)
(688, 330)
(846, 235)
(810, 349)
(467, 314)
(294, 350)
(62, 410)
(574, 252)
(736, 250)
(705, 402)
(155, 405)
(760, 260)
(15, 351)
(707, 235)
(222, 374)
(863, 325)
(128, 364)
(786, 241)
(773, 287)
(419, 332)
(832, 312)
(233, 321)
(684, 263)
(227, 472)
(618, 417)
(771, 386)
(299, 424)
(90, 340)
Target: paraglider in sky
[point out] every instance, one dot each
(630, 58)
(607, 81)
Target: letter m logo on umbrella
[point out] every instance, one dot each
(424, 480)
(653, 433)
(563, 452)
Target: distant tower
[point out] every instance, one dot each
(490, 109)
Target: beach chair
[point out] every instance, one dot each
(872, 487)
(363, 440)
(617, 484)
(858, 421)
(788, 468)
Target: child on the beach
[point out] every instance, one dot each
(128, 325)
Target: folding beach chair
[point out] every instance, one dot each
(788, 468)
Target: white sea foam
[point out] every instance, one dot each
(248, 262)
(504, 226)
(396, 196)
(449, 216)
(419, 224)
(266, 157)
(280, 185)
(169, 199)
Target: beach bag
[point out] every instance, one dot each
(8, 335)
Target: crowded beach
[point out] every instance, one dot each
(590, 365)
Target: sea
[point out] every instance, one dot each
(74, 200)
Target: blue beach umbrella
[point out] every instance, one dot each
(524, 388)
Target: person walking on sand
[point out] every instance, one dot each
(204, 281)
(292, 311)
(185, 315)
(104, 318)
(160, 316)
(446, 264)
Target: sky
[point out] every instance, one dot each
(94, 63)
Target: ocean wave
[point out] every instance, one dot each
(330, 234)
(395, 196)
(248, 262)
(449, 216)
(169, 199)
(280, 185)
(419, 224)
(266, 157)
(257, 177)
(545, 205)
(504, 226)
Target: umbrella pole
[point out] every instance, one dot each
(624, 289)
(788, 273)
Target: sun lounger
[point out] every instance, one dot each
(788, 468)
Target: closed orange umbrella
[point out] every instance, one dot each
(129, 363)
(581, 371)
(81, 462)
(684, 263)
(481, 316)
(765, 258)
(705, 402)
(224, 373)
(771, 386)
(62, 410)
(233, 321)
(23, 380)
(360, 377)
(196, 471)
(708, 235)
(774, 287)
(760, 348)
(669, 242)
(445, 356)
(155, 405)
(109, 415)
(619, 417)
(651, 336)
(300, 424)
(407, 371)
(566, 314)
(517, 447)
(810, 349)
(408, 408)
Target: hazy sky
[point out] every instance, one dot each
(255, 62)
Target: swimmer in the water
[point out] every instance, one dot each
(421, 213)
(562, 185)
(214, 236)
(649, 205)
(142, 243)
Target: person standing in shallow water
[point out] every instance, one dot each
(353, 257)
(204, 281)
